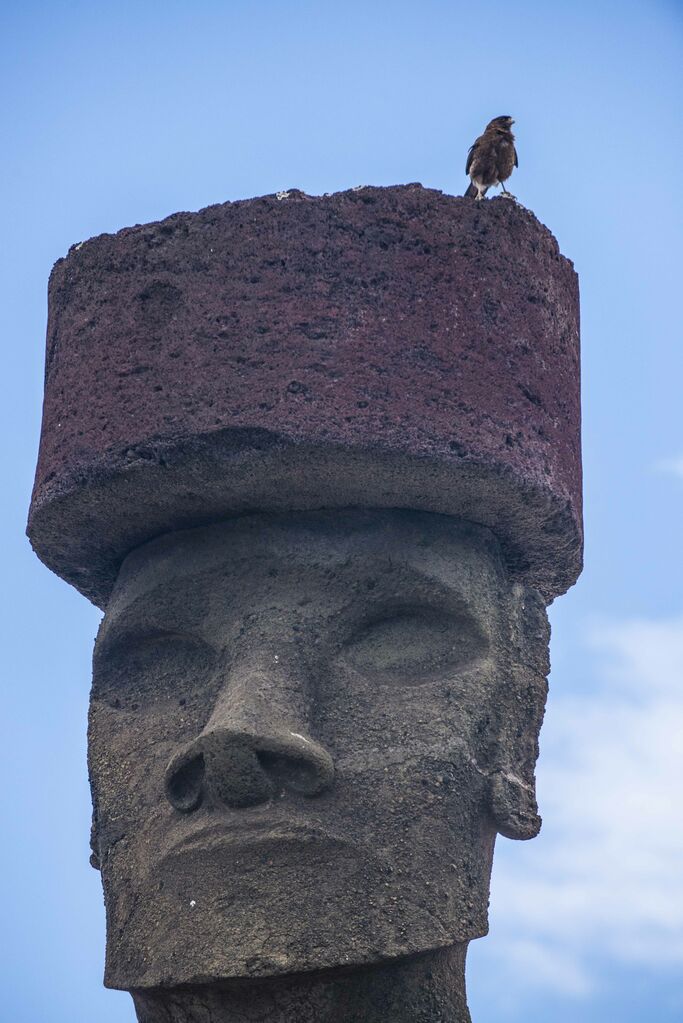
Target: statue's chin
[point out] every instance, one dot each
(282, 904)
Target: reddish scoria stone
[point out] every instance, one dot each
(378, 347)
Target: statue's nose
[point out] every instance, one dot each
(254, 745)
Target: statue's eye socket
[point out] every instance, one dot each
(415, 645)
(141, 670)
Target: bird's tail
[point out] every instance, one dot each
(471, 192)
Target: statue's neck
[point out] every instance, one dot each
(421, 990)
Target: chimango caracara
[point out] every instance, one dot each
(491, 158)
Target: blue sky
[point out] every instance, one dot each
(115, 114)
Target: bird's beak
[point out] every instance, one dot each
(512, 121)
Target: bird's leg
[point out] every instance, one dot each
(506, 194)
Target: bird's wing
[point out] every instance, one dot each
(470, 157)
(516, 160)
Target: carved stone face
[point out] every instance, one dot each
(305, 732)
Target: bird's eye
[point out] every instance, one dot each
(415, 645)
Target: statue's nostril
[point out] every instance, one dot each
(184, 783)
(299, 774)
(291, 774)
(240, 769)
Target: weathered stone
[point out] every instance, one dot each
(383, 347)
(319, 461)
(299, 726)
(425, 989)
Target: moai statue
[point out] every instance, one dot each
(318, 460)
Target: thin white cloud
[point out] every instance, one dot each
(543, 965)
(672, 465)
(604, 883)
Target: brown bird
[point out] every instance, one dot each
(491, 158)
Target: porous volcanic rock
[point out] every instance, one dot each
(380, 347)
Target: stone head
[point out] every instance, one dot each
(305, 732)
(307, 727)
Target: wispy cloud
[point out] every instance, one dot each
(604, 883)
(671, 465)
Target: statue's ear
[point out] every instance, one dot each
(514, 806)
(522, 695)
(94, 843)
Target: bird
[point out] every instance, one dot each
(492, 158)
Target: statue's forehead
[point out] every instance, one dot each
(431, 548)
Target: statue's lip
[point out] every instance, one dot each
(241, 833)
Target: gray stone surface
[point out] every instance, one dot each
(305, 732)
(425, 989)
